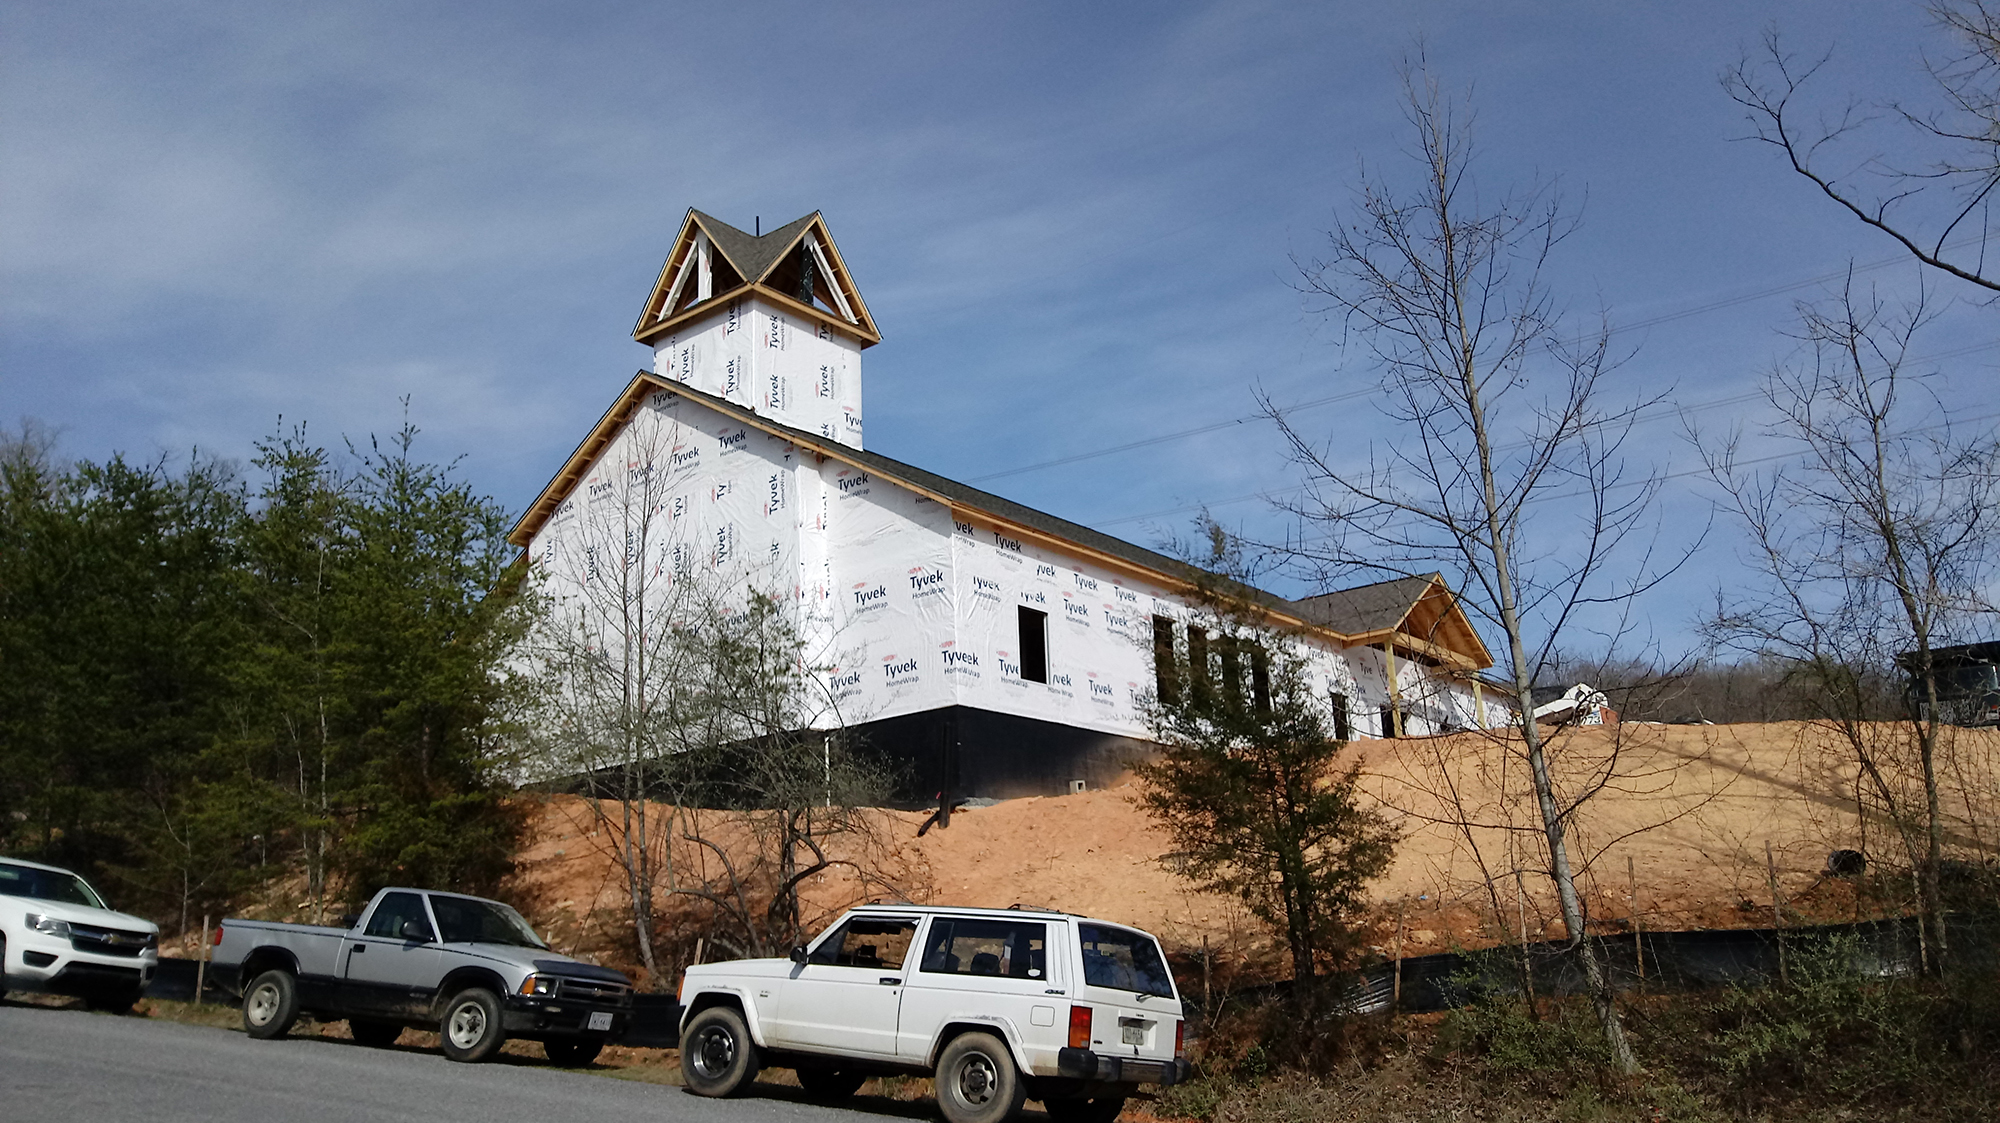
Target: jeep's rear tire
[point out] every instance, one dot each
(1102, 1109)
(576, 1053)
(977, 1081)
(470, 1030)
(717, 1056)
(830, 1083)
(374, 1034)
(270, 1004)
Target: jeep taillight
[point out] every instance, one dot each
(1180, 1040)
(1079, 1027)
(218, 937)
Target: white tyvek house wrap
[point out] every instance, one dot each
(904, 608)
(794, 371)
(681, 493)
(892, 594)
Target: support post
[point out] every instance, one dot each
(1478, 704)
(1777, 907)
(1638, 945)
(201, 964)
(1396, 991)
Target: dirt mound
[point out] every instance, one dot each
(1681, 813)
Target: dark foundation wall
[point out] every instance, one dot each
(966, 753)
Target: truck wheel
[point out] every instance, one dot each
(830, 1084)
(1103, 1109)
(375, 1035)
(270, 1004)
(573, 1054)
(470, 1030)
(977, 1081)
(717, 1056)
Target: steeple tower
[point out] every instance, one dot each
(771, 322)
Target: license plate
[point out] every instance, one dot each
(599, 1020)
(1133, 1034)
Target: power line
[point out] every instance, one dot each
(1713, 403)
(1351, 395)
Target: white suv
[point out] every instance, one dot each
(1000, 1005)
(57, 935)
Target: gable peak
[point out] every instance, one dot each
(797, 264)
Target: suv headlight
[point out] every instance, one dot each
(539, 985)
(48, 925)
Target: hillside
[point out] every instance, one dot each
(1690, 808)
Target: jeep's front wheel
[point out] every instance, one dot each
(270, 1004)
(977, 1081)
(717, 1056)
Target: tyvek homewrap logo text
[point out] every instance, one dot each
(925, 582)
(1009, 669)
(597, 489)
(683, 457)
(1125, 595)
(1011, 545)
(774, 392)
(869, 597)
(1074, 612)
(778, 335)
(852, 483)
(852, 420)
(843, 684)
(774, 498)
(732, 377)
(824, 385)
(1083, 582)
(719, 490)
(722, 546)
(962, 664)
(732, 440)
(982, 589)
(899, 672)
(734, 319)
(1100, 692)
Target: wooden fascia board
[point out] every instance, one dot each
(665, 279)
(587, 451)
(861, 333)
(853, 291)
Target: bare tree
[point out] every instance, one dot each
(1511, 477)
(1876, 543)
(620, 685)
(1936, 199)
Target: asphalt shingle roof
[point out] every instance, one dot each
(751, 255)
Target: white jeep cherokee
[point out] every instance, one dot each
(57, 935)
(999, 1005)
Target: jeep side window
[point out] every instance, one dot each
(1010, 949)
(387, 922)
(867, 941)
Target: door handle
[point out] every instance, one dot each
(890, 981)
(357, 949)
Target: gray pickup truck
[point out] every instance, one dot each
(468, 967)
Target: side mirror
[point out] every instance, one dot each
(414, 929)
(798, 955)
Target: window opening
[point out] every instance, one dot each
(1166, 677)
(1260, 678)
(1341, 732)
(1198, 669)
(1034, 645)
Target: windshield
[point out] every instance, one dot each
(1122, 959)
(462, 920)
(47, 885)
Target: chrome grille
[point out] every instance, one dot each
(591, 990)
(108, 941)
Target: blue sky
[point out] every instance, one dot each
(1074, 224)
